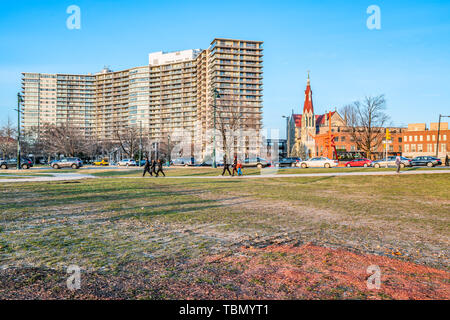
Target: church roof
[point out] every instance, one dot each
(297, 119)
(320, 119)
(308, 105)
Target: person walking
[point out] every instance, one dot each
(153, 167)
(398, 162)
(147, 167)
(446, 161)
(160, 168)
(226, 166)
(235, 162)
(239, 169)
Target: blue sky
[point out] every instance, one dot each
(408, 60)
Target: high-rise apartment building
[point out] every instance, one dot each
(174, 92)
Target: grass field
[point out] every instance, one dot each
(163, 239)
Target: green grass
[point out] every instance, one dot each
(194, 172)
(104, 223)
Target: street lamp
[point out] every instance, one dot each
(439, 131)
(287, 135)
(168, 150)
(19, 100)
(216, 95)
(140, 143)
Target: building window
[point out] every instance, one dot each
(421, 138)
(434, 137)
(443, 147)
(413, 148)
(406, 147)
(428, 138)
(406, 138)
(415, 138)
(444, 137)
(420, 148)
(429, 147)
(400, 140)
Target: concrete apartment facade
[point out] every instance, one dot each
(173, 93)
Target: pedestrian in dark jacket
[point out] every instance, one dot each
(235, 162)
(446, 161)
(147, 168)
(226, 166)
(153, 167)
(160, 168)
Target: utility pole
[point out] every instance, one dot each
(216, 95)
(19, 100)
(439, 132)
(140, 143)
(287, 135)
(168, 150)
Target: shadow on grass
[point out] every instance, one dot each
(212, 204)
(75, 195)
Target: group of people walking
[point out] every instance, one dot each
(236, 166)
(153, 167)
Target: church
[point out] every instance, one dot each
(304, 129)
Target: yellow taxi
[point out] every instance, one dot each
(103, 162)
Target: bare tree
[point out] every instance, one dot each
(62, 139)
(8, 136)
(300, 151)
(129, 140)
(230, 120)
(346, 112)
(366, 121)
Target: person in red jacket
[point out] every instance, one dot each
(239, 168)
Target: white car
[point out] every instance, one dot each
(319, 162)
(127, 162)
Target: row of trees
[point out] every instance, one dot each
(366, 121)
(50, 141)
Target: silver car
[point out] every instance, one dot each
(390, 162)
(74, 163)
(319, 162)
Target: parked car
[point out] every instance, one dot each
(426, 161)
(3, 164)
(289, 162)
(141, 163)
(255, 162)
(74, 163)
(25, 163)
(319, 162)
(208, 163)
(390, 161)
(362, 162)
(182, 162)
(103, 162)
(127, 162)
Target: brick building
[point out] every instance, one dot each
(419, 140)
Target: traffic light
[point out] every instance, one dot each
(388, 134)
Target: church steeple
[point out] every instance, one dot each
(308, 106)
